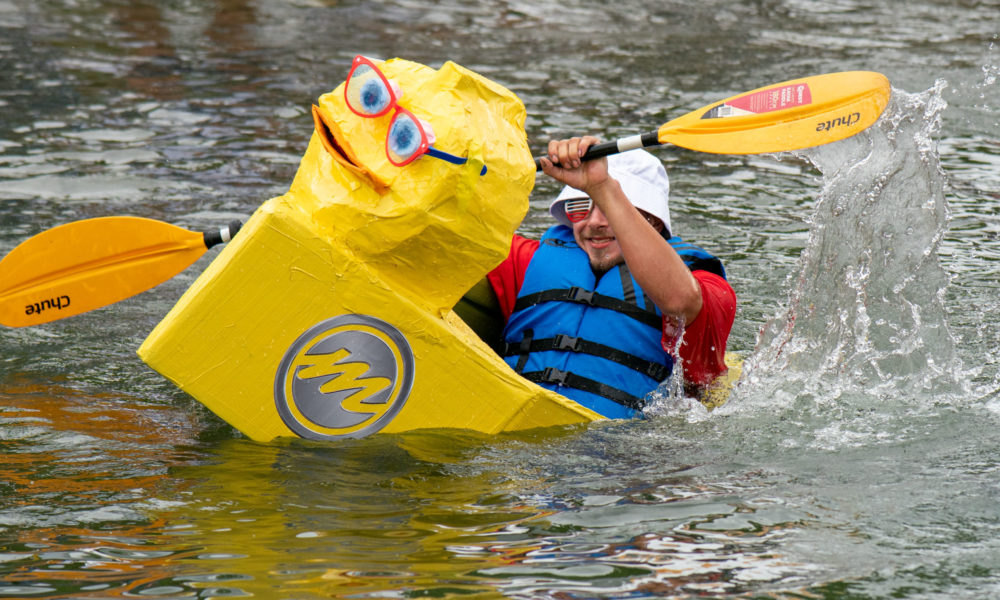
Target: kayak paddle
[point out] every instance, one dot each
(795, 114)
(80, 266)
(84, 265)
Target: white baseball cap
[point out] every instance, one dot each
(643, 179)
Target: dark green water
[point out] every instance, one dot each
(856, 459)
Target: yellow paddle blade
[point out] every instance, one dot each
(795, 114)
(80, 266)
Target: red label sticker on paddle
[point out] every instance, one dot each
(764, 101)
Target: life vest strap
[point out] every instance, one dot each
(523, 348)
(567, 343)
(565, 378)
(580, 295)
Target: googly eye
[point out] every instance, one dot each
(406, 139)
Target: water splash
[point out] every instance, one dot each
(991, 71)
(865, 317)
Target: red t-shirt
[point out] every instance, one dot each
(703, 348)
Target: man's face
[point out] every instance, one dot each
(595, 236)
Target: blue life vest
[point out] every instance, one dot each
(595, 341)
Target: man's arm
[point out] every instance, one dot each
(703, 348)
(657, 268)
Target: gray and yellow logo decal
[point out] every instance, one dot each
(345, 377)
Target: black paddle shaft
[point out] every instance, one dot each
(643, 140)
(219, 236)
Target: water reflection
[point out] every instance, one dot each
(64, 445)
(355, 518)
(471, 523)
(81, 475)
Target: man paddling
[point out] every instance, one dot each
(596, 308)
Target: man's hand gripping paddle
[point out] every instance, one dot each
(792, 115)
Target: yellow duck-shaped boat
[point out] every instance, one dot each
(330, 314)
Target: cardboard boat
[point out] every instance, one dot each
(330, 314)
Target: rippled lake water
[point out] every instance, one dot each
(857, 458)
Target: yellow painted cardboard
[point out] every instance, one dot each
(329, 315)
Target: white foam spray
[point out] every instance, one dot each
(865, 315)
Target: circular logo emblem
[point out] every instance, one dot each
(345, 377)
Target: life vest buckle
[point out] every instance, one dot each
(566, 342)
(554, 375)
(578, 294)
